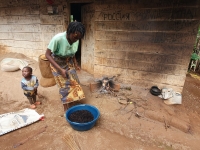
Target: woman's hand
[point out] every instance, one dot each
(64, 73)
(77, 67)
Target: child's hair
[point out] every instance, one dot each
(29, 68)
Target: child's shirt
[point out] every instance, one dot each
(29, 85)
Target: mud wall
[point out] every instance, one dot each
(27, 26)
(145, 42)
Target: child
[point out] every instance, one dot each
(30, 84)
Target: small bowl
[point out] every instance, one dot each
(83, 126)
(155, 91)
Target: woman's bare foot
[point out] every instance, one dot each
(37, 103)
(32, 106)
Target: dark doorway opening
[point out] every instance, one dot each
(76, 12)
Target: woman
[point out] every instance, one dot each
(61, 55)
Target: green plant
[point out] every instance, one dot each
(194, 56)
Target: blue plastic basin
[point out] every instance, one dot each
(83, 126)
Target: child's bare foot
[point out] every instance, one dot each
(37, 103)
(32, 106)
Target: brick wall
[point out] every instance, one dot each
(26, 27)
(145, 42)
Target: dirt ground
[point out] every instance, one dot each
(146, 124)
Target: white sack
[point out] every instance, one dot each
(12, 64)
(166, 93)
(176, 99)
(15, 120)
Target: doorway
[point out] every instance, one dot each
(75, 11)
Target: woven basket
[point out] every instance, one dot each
(44, 66)
(47, 82)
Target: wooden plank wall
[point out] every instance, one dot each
(145, 42)
(26, 27)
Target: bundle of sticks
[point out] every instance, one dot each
(71, 143)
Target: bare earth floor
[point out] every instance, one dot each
(146, 124)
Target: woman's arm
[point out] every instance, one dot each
(75, 63)
(62, 71)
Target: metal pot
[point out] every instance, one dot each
(155, 91)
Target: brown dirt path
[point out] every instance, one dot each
(159, 127)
